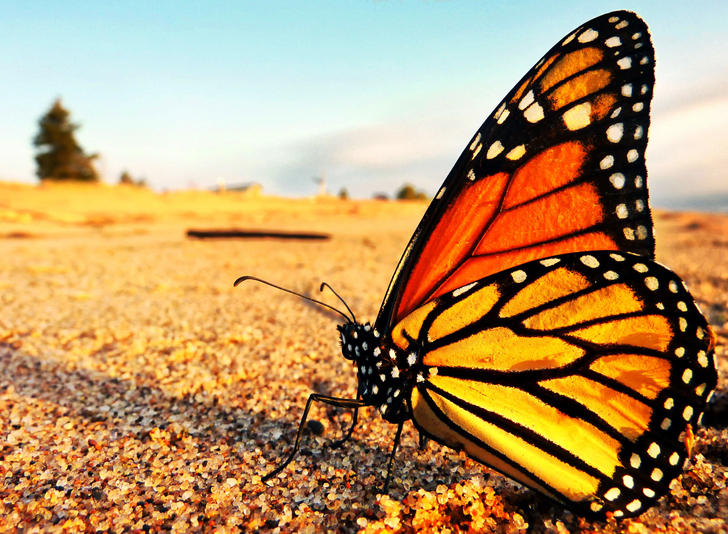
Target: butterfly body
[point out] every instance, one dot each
(384, 376)
(527, 322)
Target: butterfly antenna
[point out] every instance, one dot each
(324, 284)
(244, 278)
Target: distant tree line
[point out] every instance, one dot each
(408, 192)
(126, 179)
(61, 158)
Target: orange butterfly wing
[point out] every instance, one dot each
(558, 167)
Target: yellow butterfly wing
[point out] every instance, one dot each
(574, 375)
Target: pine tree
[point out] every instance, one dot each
(61, 157)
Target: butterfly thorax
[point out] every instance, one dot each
(383, 379)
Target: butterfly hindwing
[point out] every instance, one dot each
(558, 167)
(575, 375)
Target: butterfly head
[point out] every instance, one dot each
(358, 341)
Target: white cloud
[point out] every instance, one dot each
(378, 157)
(688, 148)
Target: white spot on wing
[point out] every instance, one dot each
(459, 291)
(588, 36)
(516, 153)
(589, 261)
(634, 505)
(495, 149)
(687, 376)
(503, 116)
(606, 163)
(613, 42)
(617, 180)
(518, 276)
(577, 117)
(534, 113)
(526, 101)
(440, 193)
(627, 90)
(652, 283)
(635, 461)
(549, 262)
(477, 150)
(615, 132)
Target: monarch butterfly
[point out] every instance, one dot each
(527, 322)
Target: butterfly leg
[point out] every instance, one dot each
(333, 401)
(391, 458)
(338, 443)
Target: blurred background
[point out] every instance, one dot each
(362, 95)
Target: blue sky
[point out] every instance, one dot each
(374, 94)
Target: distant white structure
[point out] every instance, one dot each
(321, 184)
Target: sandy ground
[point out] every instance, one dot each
(139, 391)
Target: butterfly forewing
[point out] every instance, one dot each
(558, 167)
(575, 375)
